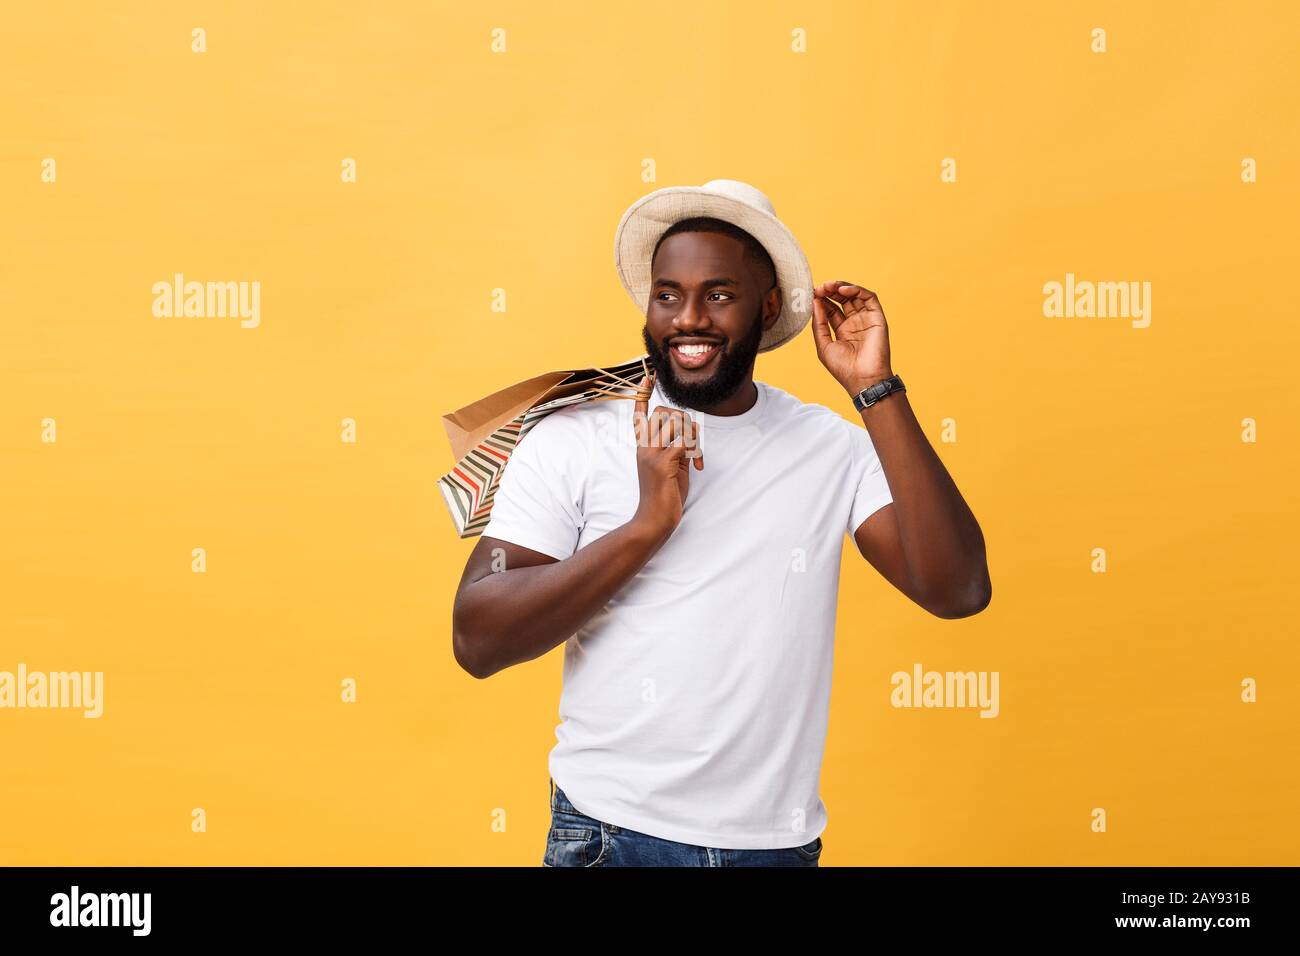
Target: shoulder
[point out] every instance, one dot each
(566, 421)
(808, 415)
(562, 435)
(823, 427)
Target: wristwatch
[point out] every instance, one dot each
(874, 393)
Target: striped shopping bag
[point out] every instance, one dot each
(484, 433)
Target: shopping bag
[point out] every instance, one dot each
(484, 433)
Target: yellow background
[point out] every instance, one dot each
(479, 171)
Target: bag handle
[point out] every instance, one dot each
(640, 392)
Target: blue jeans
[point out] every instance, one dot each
(576, 839)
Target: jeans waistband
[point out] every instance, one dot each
(559, 801)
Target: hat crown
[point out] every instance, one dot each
(742, 192)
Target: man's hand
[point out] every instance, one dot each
(667, 441)
(858, 355)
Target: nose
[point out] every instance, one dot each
(691, 318)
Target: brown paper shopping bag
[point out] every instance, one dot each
(484, 433)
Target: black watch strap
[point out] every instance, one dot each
(874, 393)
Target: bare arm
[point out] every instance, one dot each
(514, 605)
(505, 617)
(926, 542)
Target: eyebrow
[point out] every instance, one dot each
(708, 283)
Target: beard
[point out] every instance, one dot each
(735, 362)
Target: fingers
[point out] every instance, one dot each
(838, 289)
(821, 326)
(687, 436)
(666, 425)
(669, 428)
(854, 298)
(835, 289)
(831, 313)
(656, 430)
(678, 449)
(690, 436)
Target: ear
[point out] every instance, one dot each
(772, 307)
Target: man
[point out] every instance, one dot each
(688, 559)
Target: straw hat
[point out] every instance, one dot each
(738, 203)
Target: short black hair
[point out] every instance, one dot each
(754, 251)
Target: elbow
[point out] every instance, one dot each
(966, 602)
(467, 648)
(468, 663)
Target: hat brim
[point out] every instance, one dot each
(649, 217)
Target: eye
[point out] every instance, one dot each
(727, 294)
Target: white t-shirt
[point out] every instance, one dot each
(695, 704)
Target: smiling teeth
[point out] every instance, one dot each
(694, 349)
